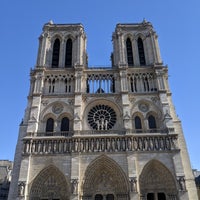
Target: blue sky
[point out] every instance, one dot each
(176, 23)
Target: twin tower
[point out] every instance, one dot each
(100, 133)
(64, 46)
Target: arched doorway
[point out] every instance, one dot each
(156, 182)
(104, 197)
(50, 184)
(105, 180)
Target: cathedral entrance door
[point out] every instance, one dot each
(104, 197)
(156, 181)
(49, 184)
(105, 180)
(156, 196)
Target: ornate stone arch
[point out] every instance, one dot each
(55, 36)
(50, 183)
(52, 41)
(146, 108)
(156, 177)
(141, 116)
(66, 115)
(104, 176)
(69, 36)
(43, 122)
(54, 110)
(129, 54)
(140, 35)
(141, 48)
(157, 118)
(130, 36)
(57, 108)
(73, 38)
(49, 115)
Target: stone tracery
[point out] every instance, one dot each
(102, 117)
(47, 184)
(104, 176)
(156, 177)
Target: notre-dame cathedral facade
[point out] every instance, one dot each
(98, 133)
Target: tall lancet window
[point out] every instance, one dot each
(56, 52)
(64, 124)
(129, 52)
(138, 123)
(152, 122)
(50, 125)
(68, 53)
(141, 51)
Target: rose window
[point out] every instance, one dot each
(102, 117)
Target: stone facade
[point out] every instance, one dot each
(101, 133)
(197, 181)
(5, 178)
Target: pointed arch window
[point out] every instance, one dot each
(129, 51)
(50, 125)
(141, 51)
(138, 123)
(152, 122)
(68, 53)
(56, 53)
(65, 124)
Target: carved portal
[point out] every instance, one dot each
(104, 176)
(156, 178)
(50, 184)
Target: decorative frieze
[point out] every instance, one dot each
(63, 145)
(142, 82)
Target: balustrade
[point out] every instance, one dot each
(142, 82)
(104, 132)
(100, 83)
(62, 133)
(62, 145)
(59, 83)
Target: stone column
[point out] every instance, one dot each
(42, 52)
(13, 191)
(122, 59)
(62, 54)
(189, 177)
(136, 60)
(79, 49)
(158, 56)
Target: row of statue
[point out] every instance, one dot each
(157, 143)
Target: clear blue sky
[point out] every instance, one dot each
(176, 23)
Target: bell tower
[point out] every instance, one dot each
(62, 46)
(135, 45)
(98, 133)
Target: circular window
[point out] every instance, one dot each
(102, 117)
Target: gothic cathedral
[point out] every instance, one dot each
(103, 133)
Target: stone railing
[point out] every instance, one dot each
(54, 134)
(117, 143)
(103, 132)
